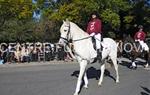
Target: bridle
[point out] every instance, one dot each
(66, 40)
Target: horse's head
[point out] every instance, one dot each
(65, 32)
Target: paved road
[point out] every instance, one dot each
(60, 79)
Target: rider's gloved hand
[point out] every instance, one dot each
(92, 34)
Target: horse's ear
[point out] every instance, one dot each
(67, 20)
(63, 21)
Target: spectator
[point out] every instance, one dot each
(1, 58)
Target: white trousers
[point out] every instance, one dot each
(144, 45)
(98, 40)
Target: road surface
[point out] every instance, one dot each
(60, 79)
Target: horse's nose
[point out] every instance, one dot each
(61, 41)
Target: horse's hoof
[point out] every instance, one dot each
(86, 86)
(99, 84)
(133, 67)
(146, 66)
(75, 94)
(117, 81)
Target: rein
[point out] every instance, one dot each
(65, 39)
(82, 39)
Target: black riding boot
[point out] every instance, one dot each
(99, 55)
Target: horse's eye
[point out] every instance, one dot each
(65, 30)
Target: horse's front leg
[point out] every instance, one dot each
(102, 74)
(85, 80)
(83, 65)
(133, 64)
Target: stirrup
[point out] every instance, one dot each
(99, 58)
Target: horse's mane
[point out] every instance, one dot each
(78, 28)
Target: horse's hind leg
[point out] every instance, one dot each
(146, 59)
(146, 65)
(114, 60)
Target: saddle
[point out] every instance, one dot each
(94, 44)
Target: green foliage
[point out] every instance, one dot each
(15, 15)
(16, 22)
(111, 17)
(128, 19)
(74, 11)
(66, 11)
(16, 8)
(15, 31)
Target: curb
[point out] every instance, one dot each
(37, 63)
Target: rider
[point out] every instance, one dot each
(94, 29)
(140, 37)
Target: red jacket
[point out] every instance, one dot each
(94, 26)
(140, 35)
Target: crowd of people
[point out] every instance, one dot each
(32, 52)
(27, 52)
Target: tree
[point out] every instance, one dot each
(79, 11)
(118, 16)
(15, 18)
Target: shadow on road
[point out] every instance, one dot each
(93, 73)
(129, 64)
(126, 64)
(146, 91)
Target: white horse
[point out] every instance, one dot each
(85, 52)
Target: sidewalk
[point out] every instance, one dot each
(37, 63)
